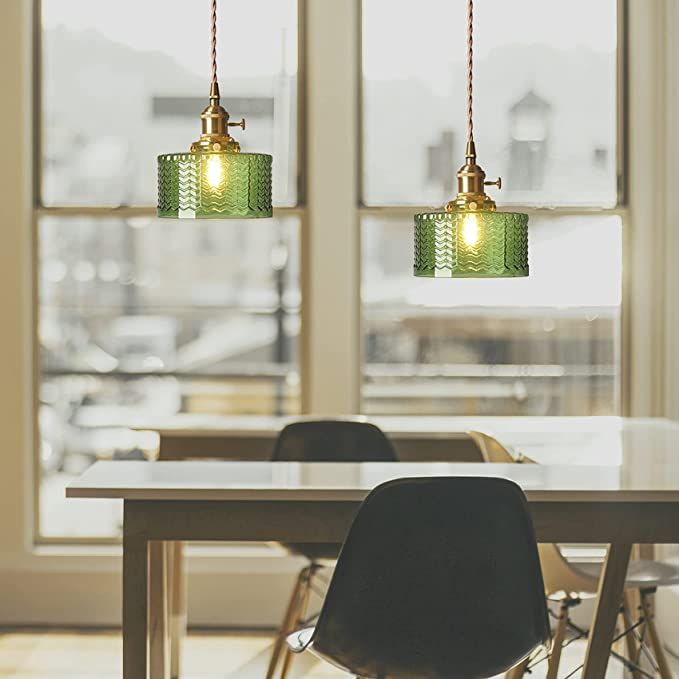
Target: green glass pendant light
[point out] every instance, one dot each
(214, 180)
(468, 238)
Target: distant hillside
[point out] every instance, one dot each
(100, 137)
(118, 138)
(83, 69)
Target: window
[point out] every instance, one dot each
(140, 316)
(546, 111)
(123, 82)
(544, 100)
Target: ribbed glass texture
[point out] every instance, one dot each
(214, 185)
(471, 244)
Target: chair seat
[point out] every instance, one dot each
(315, 552)
(640, 574)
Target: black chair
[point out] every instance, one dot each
(332, 441)
(439, 578)
(320, 441)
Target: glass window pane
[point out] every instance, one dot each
(544, 100)
(543, 345)
(154, 317)
(125, 81)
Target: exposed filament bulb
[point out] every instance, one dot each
(470, 230)
(214, 171)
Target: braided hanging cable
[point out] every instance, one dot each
(213, 35)
(470, 64)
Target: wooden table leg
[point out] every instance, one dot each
(159, 658)
(611, 588)
(169, 561)
(178, 616)
(135, 606)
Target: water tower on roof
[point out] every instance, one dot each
(529, 131)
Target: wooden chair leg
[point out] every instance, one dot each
(178, 619)
(630, 639)
(557, 641)
(656, 643)
(518, 671)
(286, 624)
(298, 617)
(158, 612)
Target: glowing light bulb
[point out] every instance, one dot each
(214, 171)
(470, 230)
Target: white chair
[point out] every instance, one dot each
(569, 582)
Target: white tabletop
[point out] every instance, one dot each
(294, 481)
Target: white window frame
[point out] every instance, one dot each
(298, 212)
(59, 583)
(621, 209)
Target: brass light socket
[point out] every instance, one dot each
(471, 183)
(215, 127)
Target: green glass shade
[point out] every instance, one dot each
(218, 185)
(471, 244)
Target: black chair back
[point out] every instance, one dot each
(439, 578)
(333, 441)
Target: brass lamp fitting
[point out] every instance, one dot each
(471, 183)
(215, 127)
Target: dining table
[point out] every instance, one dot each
(423, 438)
(210, 436)
(626, 494)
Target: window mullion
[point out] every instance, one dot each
(646, 242)
(331, 243)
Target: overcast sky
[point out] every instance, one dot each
(402, 38)
(251, 32)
